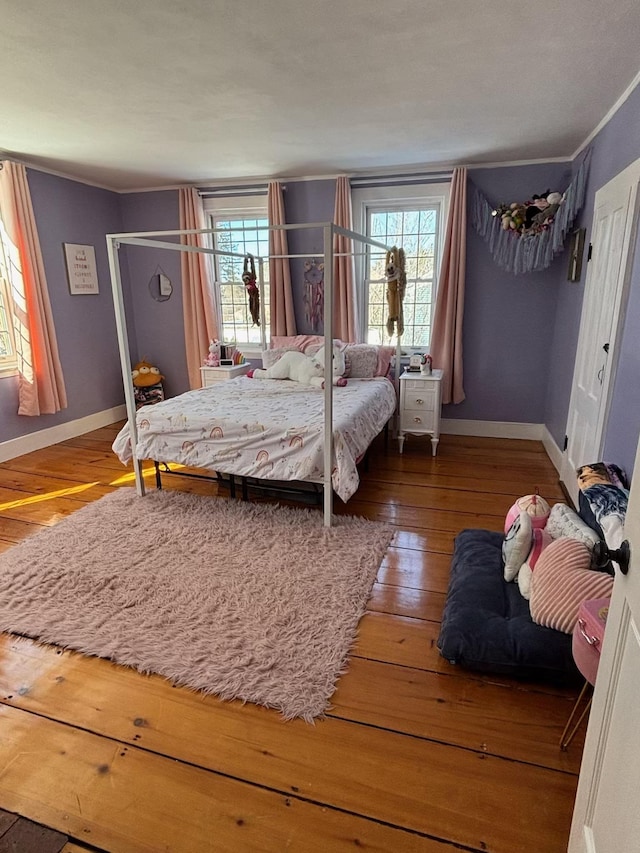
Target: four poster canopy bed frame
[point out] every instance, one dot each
(154, 239)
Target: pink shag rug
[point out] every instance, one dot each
(247, 601)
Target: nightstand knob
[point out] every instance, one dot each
(418, 420)
(420, 401)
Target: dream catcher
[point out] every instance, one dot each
(249, 281)
(313, 294)
(394, 273)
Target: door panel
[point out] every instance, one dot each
(605, 289)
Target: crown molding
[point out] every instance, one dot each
(8, 155)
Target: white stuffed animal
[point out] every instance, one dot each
(306, 369)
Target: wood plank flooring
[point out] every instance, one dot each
(414, 755)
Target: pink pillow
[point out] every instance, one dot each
(299, 342)
(385, 354)
(562, 581)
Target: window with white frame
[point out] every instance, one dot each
(411, 218)
(241, 218)
(8, 355)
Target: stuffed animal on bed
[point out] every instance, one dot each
(305, 369)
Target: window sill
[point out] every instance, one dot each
(8, 371)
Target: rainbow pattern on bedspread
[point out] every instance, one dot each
(271, 429)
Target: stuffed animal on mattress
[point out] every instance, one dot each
(396, 284)
(305, 369)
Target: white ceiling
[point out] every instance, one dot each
(146, 93)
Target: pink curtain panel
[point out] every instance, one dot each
(283, 318)
(345, 317)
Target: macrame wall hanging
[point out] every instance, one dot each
(250, 282)
(394, 273)
(313, 294)
(526, 236)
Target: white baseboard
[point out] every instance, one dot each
(553, 451)
(46, 437)
(491, 429)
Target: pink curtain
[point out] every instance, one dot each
(345, 317)
(283, 318)
(41, 388)
(200, 322)
(446, 337)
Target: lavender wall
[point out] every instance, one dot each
(614, 148)
(307, 201)
(159, 325)
(508, 319)
(70, 212)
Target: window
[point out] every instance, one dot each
(8, 357)
(241, 217)
(413, 220)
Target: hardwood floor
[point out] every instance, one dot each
(415, 754)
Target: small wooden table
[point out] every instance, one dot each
(420, 406)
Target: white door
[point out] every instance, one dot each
(607, 812)
(613, 237)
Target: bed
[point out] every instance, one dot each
(229, 438)
(268, 430)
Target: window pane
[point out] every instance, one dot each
(413, 228)
(242, 238)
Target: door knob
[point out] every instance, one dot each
(621, 555)
(605, 347)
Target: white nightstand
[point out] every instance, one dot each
(213, 375)
(420, 406)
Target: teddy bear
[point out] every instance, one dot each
(305, 369)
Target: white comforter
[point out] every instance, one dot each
(269, 429)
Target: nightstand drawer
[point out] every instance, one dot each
(418, 420)
(213, 375)
(422, 399)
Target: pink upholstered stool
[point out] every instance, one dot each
(586, 645)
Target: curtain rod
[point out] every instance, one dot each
(237, 191)
(402, 179)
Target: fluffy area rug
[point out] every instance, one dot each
(247, 601)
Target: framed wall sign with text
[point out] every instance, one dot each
(81, 268)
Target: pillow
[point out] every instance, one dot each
(540, 541)
(299, 342)
(385, 356)
(562, 581)
(533, 505)
(364, 360)
(271, 356)
(565, 523)
(516, 545)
